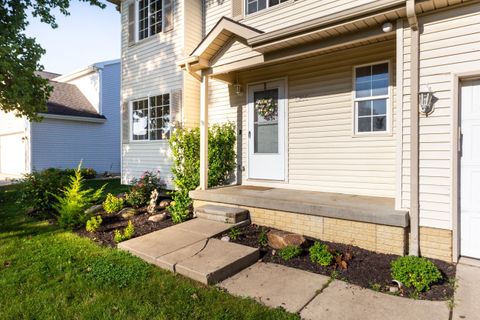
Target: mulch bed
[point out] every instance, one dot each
(104, 235)
(366, 269)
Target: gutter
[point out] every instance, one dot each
(72, 118)
(414, 243)
(359, 12)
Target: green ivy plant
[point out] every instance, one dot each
(416, 272)
(185, 147)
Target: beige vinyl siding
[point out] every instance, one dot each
(275, 18)
(323, 154)
(191, 87)
(149, 68)
(214, 10)
(449, 43)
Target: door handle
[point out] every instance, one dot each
(249, 134)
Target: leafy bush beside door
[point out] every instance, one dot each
(185, 146)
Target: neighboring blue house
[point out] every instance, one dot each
(82, 123)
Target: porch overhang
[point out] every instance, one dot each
(356, 25)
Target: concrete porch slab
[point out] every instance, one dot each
(342, 301)
(275, 285)
(216, 261)
(333, 205)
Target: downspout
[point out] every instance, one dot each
(414, 248)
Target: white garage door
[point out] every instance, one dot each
(12, 154)
(470, 169)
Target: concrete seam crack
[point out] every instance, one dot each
(318, 292)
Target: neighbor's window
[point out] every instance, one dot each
(149, 18)
(151, 118)
(253, 6)
(371, 98)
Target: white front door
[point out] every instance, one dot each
(266, 131)
(470, 169)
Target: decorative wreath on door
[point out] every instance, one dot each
(267, 108)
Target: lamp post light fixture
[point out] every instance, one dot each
(425, 96)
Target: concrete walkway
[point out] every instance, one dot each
(316, 297)
(467, 295)
(188, 249)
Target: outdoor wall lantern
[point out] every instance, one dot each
(425, 96)
(238, 88)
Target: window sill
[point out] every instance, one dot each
(159, 37)
(372, 134)
(147, 141)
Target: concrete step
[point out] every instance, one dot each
(222, 213)
(209, 261)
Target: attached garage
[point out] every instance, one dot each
(13, 154)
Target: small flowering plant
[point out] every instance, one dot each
(143, 187)
(267, 108)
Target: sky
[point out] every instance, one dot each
(88, 35)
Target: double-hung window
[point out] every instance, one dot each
(372, 98)
(253, 6)
(149, 17)
(150, 118)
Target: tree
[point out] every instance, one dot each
(21, 90)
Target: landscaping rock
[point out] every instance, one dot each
(280, 239)
(225, 238)
(94, 209)
(127, 213)
(158, 217)
(164, 203)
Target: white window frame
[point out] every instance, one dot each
(137, 22)
(130, 111)
(245, 6)
(388, 97)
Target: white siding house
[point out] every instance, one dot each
(82, 123)
(333, 133)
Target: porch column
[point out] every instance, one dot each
(204, 132)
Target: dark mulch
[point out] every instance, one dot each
(366, 269)
(104, 235)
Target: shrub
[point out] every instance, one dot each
(93, 224)
(320, 254)
(289, 252)
(37, 189)
(142, 188)
(262, 238)
(234, 233)
(179, 209)
(415, 272)
(128, 233)
(135, 198)
(112, 203)
(74, 200)
(185, 146)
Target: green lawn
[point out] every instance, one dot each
(48, 273)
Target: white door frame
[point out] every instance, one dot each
(457, 80)
(285, 140)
